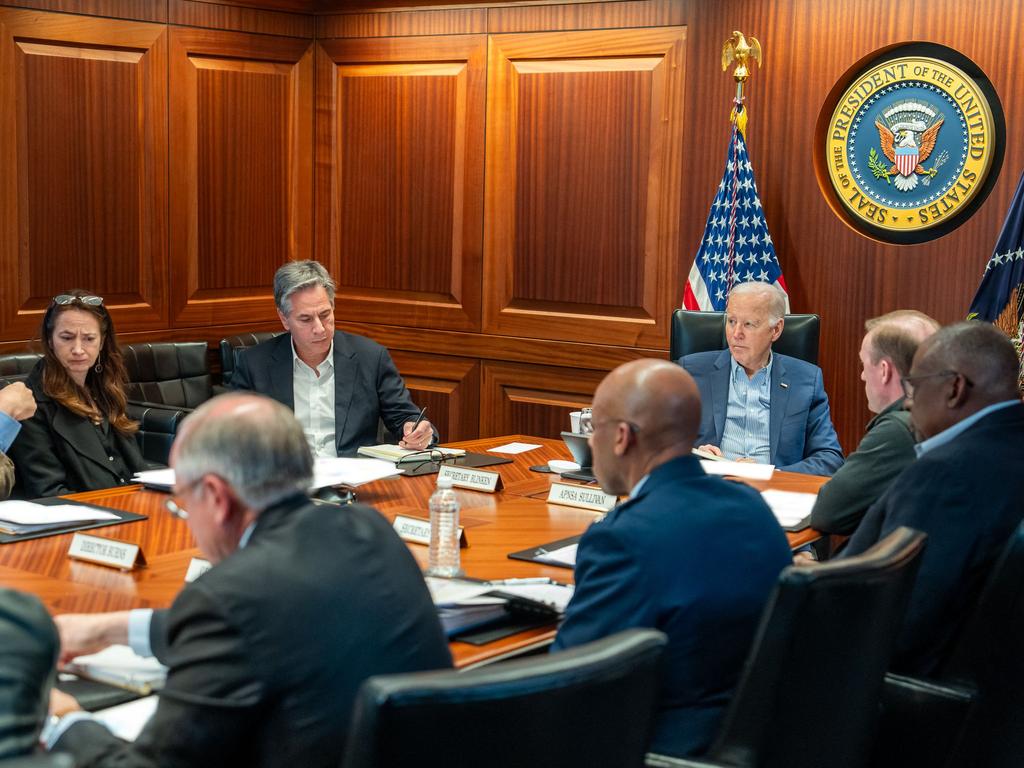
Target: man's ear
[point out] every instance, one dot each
(887, 370)
(778, 329)
(284, 320)
(958, 392)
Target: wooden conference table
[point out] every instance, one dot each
(512, 519)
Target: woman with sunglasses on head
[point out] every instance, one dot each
(80, 438)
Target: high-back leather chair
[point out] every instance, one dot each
(16, 366)
(591, 706)
(971, 713)
(705, 332)
(809, 692)
(233, 346)
(168, 373)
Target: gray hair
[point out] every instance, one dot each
(775, 295)
(296, 275)
(897, 335)
(982, 353)
(254, 443)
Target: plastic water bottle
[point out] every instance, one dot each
(444, 531)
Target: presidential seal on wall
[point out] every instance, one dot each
(911, 143)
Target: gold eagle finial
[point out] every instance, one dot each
(741, 50)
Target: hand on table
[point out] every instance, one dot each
(62, 703)
(416, 439)
(82, 633)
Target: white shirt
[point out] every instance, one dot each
(314, 402)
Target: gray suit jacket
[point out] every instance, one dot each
(28, 657)
(367, 386)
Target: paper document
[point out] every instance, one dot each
(393, 453)
(555, 595)
(160, 479)
(28, 513)
(789, 507)
(744, 469)
(560, 556)
(514, 448)
(120, 665)
(126, 721)
(448, 592)
(329, 471)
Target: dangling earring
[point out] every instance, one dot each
(99, 367)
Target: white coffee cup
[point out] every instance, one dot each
(574, 421)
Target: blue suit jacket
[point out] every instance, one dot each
(801, 435)
(696, 557)
(966, 495)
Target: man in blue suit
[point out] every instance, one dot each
(758, 405)
(692, 555)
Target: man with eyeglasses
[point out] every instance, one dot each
(887, 448)
(692, 555)
(267, 649)
(964, 490)
(761, 406)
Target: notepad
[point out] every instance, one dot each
(789, 507)
(327, 472)
(745, 469)
(119, 665)
(392, 453)
(126, 721)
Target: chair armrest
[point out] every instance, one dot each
(154, 417)
(652, 760)
(921, 721)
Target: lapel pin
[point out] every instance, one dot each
(784, 385)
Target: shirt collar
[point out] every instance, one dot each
(948, 435)
(328, 361)
(247, 534)
(638, 487)
(767, 368)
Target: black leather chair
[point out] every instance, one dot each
(55, 760)
(233, 346)
(971, 713)
(810, 688)
(590, 706)
(705, 331)
(16, 366)
(166, 381)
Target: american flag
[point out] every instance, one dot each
(736, 246)
(1000, 297)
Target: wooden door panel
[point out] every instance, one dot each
(83, 174)
(241, 186)
(584, 134)
(449, 387)
(400, 178)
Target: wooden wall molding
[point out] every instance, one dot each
(241, 129)
(240, 19)
(83, 194)
(136, 10)
(399, 153)
(449, 21)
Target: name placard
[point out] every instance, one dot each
(109, 552)
(472, 479)
(417, 530)
(196, 568)
(581, 496)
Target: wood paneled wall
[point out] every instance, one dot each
(509, 196)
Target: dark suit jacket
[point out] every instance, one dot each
(801, 435)
(886, 449)
(367, 386)
(966, 495)
(267, 649)
(696, 557)
(28, 657)
(58, 452)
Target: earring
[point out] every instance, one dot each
(99, 367)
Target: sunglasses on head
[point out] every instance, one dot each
(66, 298)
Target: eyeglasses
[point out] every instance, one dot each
(176, 509)
(595, 423)
(414, 461)
(909, 383)
(66, 298)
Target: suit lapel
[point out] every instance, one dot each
(779, 402)
(720, 393)
(282, 371)
(346, 368)
(82, 436)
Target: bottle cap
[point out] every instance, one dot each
(444, 482)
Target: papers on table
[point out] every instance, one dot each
(26, 517)
(126, 721)
(514, 448)
(789, 507)
(467, 604)
(119, 665)
(555, 595)
(561, 556)
(327, 472)
(392, 453)
(743, 469)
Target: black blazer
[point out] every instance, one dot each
(966, 495)
(267, 649)
(367, 386)
(58, 452)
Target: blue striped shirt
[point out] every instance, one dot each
(745, 435)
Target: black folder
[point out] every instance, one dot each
(530, 555)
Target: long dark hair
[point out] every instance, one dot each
(103, 394)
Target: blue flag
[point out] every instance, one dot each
(736, 246)
(1000, 295)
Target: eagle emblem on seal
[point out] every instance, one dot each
(908, 131)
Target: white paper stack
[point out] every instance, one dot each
(119, 665)
(20, 517)
(789, 507)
